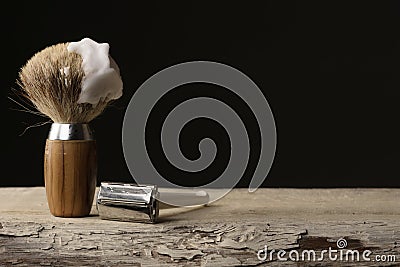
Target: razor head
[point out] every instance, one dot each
(128, 202)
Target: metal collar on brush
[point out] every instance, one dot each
(70, 131)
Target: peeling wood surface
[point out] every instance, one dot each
(226, 233)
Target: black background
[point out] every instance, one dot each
(329, 70)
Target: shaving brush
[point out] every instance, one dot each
(54, 81)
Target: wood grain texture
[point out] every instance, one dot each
(229, 232)
(70, 172)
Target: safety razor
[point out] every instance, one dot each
(140, 203)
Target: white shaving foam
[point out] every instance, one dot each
(102, 80)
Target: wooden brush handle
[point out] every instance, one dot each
(70, 172)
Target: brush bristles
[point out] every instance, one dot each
(52, 80)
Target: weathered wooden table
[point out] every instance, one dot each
(230, 232)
